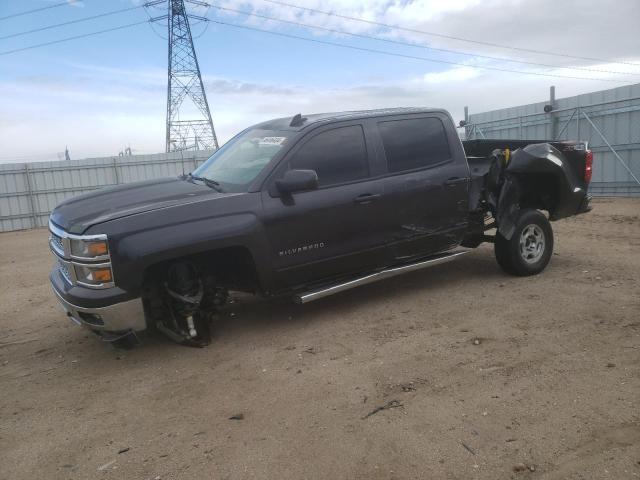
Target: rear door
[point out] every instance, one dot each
(333, 229)
(425, 188)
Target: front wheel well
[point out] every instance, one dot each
(232, 267)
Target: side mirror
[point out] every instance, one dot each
(297, 181)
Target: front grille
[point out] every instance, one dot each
(64, 270)
(57, 241)
(57, 244)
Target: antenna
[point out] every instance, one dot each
(297, 120)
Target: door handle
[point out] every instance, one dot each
(454, 181)
(367, 197)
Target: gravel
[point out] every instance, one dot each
(556, 366)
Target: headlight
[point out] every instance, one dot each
(89, 248)
(93, 274)
(83, 260)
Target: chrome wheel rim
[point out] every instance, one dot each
(532, 243)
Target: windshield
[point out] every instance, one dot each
(239, 161)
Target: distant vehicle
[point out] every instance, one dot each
(306, 207)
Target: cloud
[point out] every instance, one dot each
(573, 27)
(97, 109)
(223, 86)
(456, 74)
(125, 115)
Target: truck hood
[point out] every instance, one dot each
(77, 214)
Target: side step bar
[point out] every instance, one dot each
(374, 277)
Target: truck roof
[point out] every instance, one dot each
(299, 122)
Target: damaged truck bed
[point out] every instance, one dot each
(307, 207)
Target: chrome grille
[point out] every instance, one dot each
(64, 270)
(56, 242)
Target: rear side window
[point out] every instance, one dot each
(414, 143)
(337, 156)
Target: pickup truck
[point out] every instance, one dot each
(305, 207)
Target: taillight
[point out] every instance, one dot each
(588, 166)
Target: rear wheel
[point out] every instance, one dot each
(529, 250)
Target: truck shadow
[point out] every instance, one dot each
(250, 313)
(252, 319)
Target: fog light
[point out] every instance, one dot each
(91, 318)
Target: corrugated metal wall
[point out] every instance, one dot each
(615, 113)
(29, 191)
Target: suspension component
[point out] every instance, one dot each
(185, 322)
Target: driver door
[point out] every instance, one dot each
(330, 230)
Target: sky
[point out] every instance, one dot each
(102, 93)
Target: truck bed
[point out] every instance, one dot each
(478, 151)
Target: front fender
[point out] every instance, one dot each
(138, 251)
(140, 241)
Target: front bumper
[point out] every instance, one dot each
(119, 317)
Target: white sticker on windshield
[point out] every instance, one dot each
(272, 141)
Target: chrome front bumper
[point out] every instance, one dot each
(120, 317)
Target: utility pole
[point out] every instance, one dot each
(189, 124)
(554, 117)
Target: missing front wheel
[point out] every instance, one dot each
(185, 303)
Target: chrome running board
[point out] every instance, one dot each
(374, 277)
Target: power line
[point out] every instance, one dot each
(79, 20)
(76, 37)
(401, 55)
(151, 25)
(153, 20)
(27, 12)
(450, 37)
(318, 41)
(399, 42)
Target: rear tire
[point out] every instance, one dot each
(529, 250)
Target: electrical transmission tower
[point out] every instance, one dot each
(189, 124)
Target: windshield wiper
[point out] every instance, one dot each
(207, 181)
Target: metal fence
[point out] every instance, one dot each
(609, 120)
(29, 191)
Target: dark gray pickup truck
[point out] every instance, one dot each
(306, 207)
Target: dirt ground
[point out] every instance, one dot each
(485, 374)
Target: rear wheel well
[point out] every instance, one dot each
(540, 192)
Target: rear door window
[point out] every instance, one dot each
(338, 156)
(414, 143)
